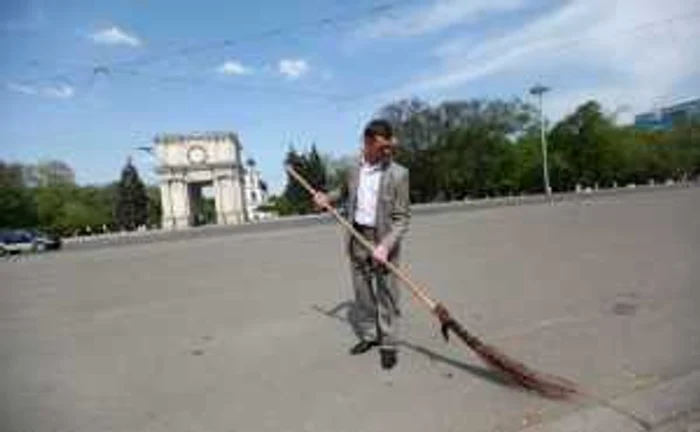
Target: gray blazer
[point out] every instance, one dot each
(393, 202)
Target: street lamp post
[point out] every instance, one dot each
(539, 90)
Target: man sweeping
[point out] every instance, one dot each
(377, 196)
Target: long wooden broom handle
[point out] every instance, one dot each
(417, 291)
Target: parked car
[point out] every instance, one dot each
(22, 241)
(48, 241)
(16, 241)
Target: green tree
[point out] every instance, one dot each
(588, 145)
(475, 162)
(17, 207)
(337, 170)
(295, 199)
(528, 162)
(76, 217)
(131, 208)
(49, 203)
(418, 129)
(155, 211)
(460, 148)
(278, 205)
(683, 142)
(316, 169)
(49, 173)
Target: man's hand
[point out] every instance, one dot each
(321, 200)
(381, 254)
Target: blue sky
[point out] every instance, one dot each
(168, 68)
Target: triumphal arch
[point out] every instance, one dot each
(187, 164)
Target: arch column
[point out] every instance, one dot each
(168, 215)
(228, 195)
(181, 203)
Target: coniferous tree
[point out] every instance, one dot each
(131, 210)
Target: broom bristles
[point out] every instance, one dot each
(547, 385)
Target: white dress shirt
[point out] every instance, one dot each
(367, 190)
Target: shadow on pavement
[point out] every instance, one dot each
(350, 318)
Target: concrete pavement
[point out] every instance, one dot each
(249, 332)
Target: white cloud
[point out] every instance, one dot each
(62, 91)
(628, 51)
(437, 16)
(20, 88)
(115, 36)
(233, 67)
(293, 68)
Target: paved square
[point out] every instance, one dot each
(248, 332)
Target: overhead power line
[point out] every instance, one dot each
(563, 44)
(201, 81)
(130, 67)
(341, 99)
(277, 32)
(313, 25)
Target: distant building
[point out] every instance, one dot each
(664, 118)
(256, 193)
(189, 164)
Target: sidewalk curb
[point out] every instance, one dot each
(657, 405)
(311, 221)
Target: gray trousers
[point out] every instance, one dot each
(376, 293)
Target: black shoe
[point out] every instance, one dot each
(388, 357)
(363, 347)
